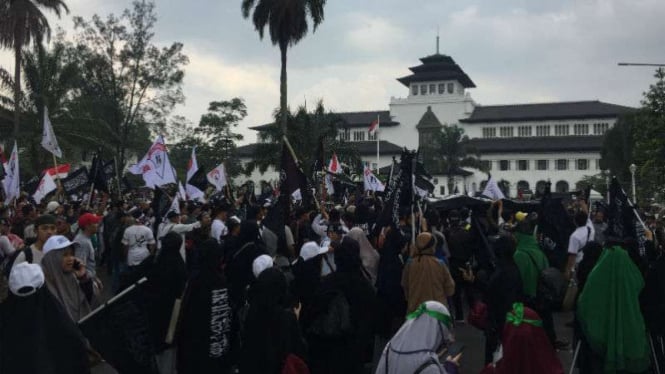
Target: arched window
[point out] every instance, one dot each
(540, 187)
(522, 186)
(562, 186)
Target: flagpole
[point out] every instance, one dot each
(293, 154)
(57, 177)
(117, 176)
(377, 131)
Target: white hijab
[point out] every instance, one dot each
(418, 341)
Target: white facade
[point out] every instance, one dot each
(452, 104)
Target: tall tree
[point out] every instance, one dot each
(455, 153)
(22, 22)
(214, 137)
(287, 22)
(128, 83)
(649, 147)
(618, 145)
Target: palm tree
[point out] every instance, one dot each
(22, 21)
(455, 152)
(287, 23)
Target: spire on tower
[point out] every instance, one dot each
(437, 40)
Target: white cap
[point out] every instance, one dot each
(310, 250)
(52, 206)
(56, 242)
(260, 264)
(25, 279)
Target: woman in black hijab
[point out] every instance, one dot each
(166, 282)
(204, 341)
(354, 343)
(271, 330)
(239, 264)
(37, 335)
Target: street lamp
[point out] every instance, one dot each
(633, 169)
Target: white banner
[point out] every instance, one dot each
(49, 142)
(12, 183)
(155, 166)
(46, 186)
(372, 183)
(217, 177)
(492, 190)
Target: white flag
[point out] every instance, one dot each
(217, 177)
(155, 166)
(492, 190)
(372, 183)
(181, 191)
(12, 183)
(175, 205)
(46, 186)
(49, 142)
(193, 192)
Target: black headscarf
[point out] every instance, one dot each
(347, 256)
(239, 264)
(38, 336)
(167, 278)
(271, 331)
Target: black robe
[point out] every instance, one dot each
(37, 336)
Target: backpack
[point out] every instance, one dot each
(335, 321)
(551, 288)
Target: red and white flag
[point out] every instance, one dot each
(61, 172)
(374, 125)
(155, 166)
(46, 186)
(335, 168)
(193, 192)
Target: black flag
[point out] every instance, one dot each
(398, 193)
(97, 175)
(76, 181)
(199, 179)
(556, 227)
(119, 331)
(622, 219)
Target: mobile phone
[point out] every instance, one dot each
(455, 349)
(77, 265)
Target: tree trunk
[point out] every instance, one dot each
(17, 88)
(282, 88)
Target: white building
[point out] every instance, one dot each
(525, 144)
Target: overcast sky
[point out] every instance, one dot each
(516, 51)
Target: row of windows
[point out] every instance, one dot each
(432, 89)
(524, 165)
(544, 130)
(358, 136)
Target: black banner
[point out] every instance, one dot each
(76, 181)
(98, 175)
(119, 332)
(622, 218)
(199, 180)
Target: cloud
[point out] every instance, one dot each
(371, 34)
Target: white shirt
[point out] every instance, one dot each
(218, 230)
(579, 238)
(6, 247)
(137, 238)
(178, 228)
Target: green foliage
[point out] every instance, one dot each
(454, 151)
(128, 84)
(287, 22)
(597, 182)
(618, 144)
(22, 22)
(214, 138)
(649, 141)
(310, 127)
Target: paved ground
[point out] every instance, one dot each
(474, 354)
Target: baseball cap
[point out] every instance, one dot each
(56, 242)
(310, 250)
(172, 214)
(52, 206)
(260, 264)
(25, 279)
(87, 219)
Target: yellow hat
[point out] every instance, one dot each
(520, 216)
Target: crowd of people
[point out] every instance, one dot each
(334, 292)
